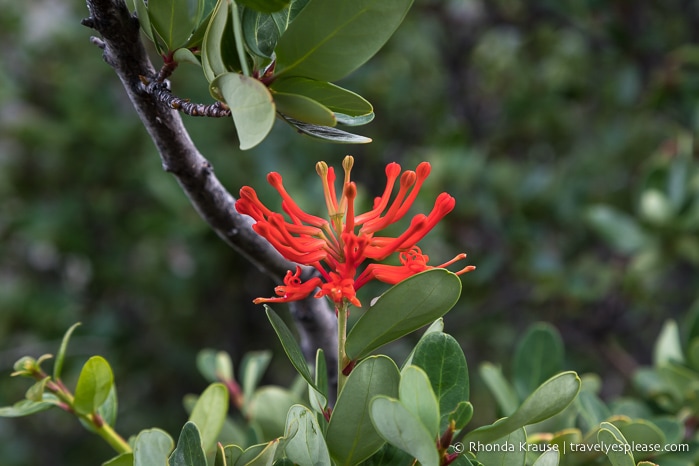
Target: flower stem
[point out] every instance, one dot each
(341, 339)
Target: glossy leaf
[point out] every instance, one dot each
(404, 308)
(264, 6)
(302, 108)
(330, 39)
(402, 428)
(436, 327)
(291, 347)
(304, 441)
(539, 355)
(548, 458)
(173, 20)
(351, 436)
(549, 399)
(443, 360)
(152, 446)
(94, 384)
(251, 106)
(25, 408)
(188, 451)
(610, 436)
(61, 355)
(326, 133)
(507, 452)
(335, 98)
(499, 387)
(416, 394)
(260, 33)
(212, 58)
(209, 413)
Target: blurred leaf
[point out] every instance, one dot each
(326, 133)
(549, 399)
(591, 409)
(188, 451)
(504, 453)
(110, 408)
(252, 368)
(610, 435)
(36, 391)
(264, 6)
(329, 40)
(266, 410)
(539, 355)
(402, 428)
(152, 446)
(668, 347)
(499, 387)
(443, 360)
(404, 308)
(183, 55)
(622, 232)
(304, 441)
(94, 385)
(350, 436)
(25, 408)
(61, 355)
(251, 106)
(548, 458)
(209, 413)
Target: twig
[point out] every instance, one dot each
(123, 50)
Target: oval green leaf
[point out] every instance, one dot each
(25, 408)
(335, 98)
(407, 306)
(615, 445)
(209, 413)
(351, 436)
(548, 458)
(443, 360)
(212, 59)
(252, 368)
(416, 394)
(401, 428)
(173, 20)
(266, 410)
(330, 39)
(251, 104)
(188, 451)
(94, 384)
(505, 450)
(304, 442)
(499, 387)
(152, 446)
(302, 108)
(539, 355)
(550, 398)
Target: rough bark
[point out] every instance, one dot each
(123, 50)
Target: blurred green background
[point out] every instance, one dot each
(563, 128)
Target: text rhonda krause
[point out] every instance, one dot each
(626, 448)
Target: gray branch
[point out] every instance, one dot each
(123, 51)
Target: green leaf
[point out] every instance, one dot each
(330, 39)
(351, 436)
(220, 457)
(619, 453)
(506, 450)
(326, 133)
(291, 347)
(591, 409)
(183, 55)
(548, 458)
(436, 327)
(319, 398)
(549, 399)
(36, 391)
(252, 368)
(499, 387)
(266, 409)
(416, 394)
(335, 98)
(302, 108)
(264, 6)
(110, 408)
(188, 451)
(144, 21)
(258, 455)
(642, 432)
(539, 355)
(251, 106)
(260, 33)
(443, 360)
(349, 120)
(218, 46)
(621, 231)
(404, 308)
(25, 408)
(173, 20)
(305, 443)
(232, 453)
(668, 347)
(152, 447)
(462, 414)
(94, 384)
(61, 355)
(209, 413)
(402, 428)
(125, 459)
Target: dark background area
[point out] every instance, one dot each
(564, 129)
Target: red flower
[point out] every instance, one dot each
(338, 246)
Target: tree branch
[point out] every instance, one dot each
(123, 50)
